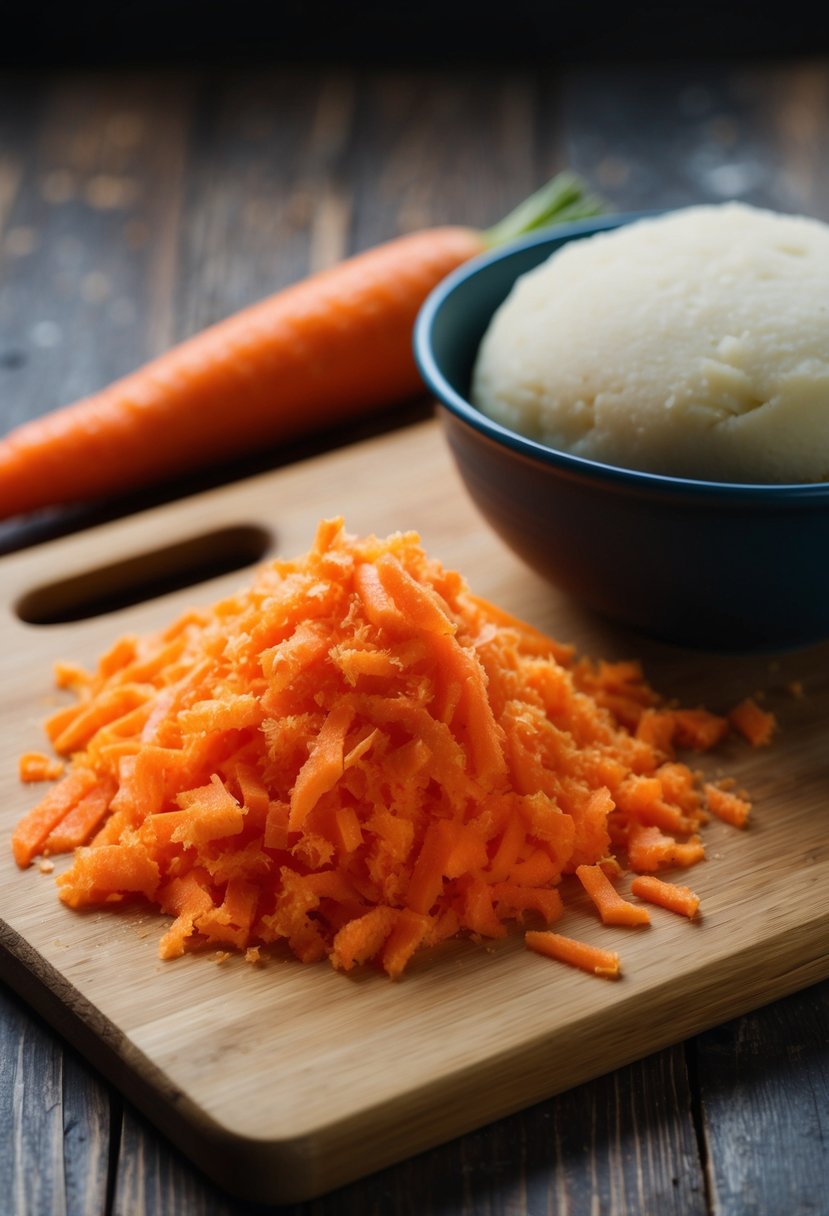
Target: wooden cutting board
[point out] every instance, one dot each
(284, 1081)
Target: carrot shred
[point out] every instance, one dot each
(756, 725)
(324, 766)
(361, 939)
(356, 757)
(698, 728)
(406, 936)
(611, 906)
(78, 824)
(650, 849)
(576, 953)
(726, 805)
(32, 831)
(37, 766)
(670, 895)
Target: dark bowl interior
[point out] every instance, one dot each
(704, 564)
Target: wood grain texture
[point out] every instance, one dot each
(194, 1040)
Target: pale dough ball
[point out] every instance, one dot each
(694, 344)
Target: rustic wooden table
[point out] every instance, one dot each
(136, 207)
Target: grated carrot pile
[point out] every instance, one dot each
(358, 758)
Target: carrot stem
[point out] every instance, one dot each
(561, 200)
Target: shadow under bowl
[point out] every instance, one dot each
(713, 565)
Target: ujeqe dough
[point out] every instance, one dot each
(694, 344)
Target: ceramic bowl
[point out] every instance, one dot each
(705, 564)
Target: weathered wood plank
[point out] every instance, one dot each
(31, 1114)
(85, 286)
(89, 1108)
(54, 1112)
(438, 148)
(701, 133)
(152, 1179)
(624, 1144)
(260, 161)
(764, 1092)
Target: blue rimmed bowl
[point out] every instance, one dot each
(706, 564)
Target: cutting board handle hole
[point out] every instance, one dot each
(145, 576)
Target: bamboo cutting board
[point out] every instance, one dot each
(284, 1081)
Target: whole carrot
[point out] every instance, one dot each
(334, 346)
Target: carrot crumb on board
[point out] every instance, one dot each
(670, 895)
(754, 724)
(726, 805)
(613, 908)
(37, 766)
(357, 758)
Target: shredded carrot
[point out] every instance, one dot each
(32, 831)
(699, 728)
(356, 758)
(650, 849)
(612, 908)
(77, 825)
(37, 766)
(727, 805)
(668, 895)
(578, 954)
(754, 724)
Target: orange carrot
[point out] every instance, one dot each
(698, 728)
(670, 895)
(576, 953)
(727, 805)
(323, 767)
(612, 908)
(361, 939)
(32, 831)
(356, 758)
(78, 824)
(404, 939)
(37, 766)
(650, 849)
(320, 352)
(754, 724)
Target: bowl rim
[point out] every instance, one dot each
(463, 409)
